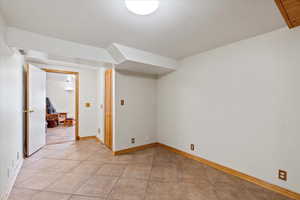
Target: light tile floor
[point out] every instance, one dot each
(86, 170)
(60, 134)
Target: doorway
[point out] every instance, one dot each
(51, 107)
(63, 96)
(60, 108)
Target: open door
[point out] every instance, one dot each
(35, 109)
(108, 126)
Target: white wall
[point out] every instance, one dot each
(62, 100)
(100, 100)
(11, 112)
(88, 119)
(239, 105)
(57, 47)
(137, 118)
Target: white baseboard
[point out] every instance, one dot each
(5, 194)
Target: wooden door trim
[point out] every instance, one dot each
(26, 108)
(284, 13)
(108, 101)
(290, 11)
(76, 95)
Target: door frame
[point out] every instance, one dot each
(26, 108)
(108, 102)
(76, 95)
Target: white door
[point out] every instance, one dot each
(36, 109)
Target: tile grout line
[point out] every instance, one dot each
(148, 182)
(112, 188)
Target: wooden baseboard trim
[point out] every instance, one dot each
(236, 173)
(88, 138)
(133, 149)
(98, 140)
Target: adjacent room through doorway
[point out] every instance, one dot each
(60, 103)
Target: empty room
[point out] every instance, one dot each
(149, 100)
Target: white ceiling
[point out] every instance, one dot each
(178, 29)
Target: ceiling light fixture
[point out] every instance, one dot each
(142, 7)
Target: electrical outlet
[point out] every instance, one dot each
(132, 140)
(122, 102)
(8, 173)
(18, 155)
(282, 175)
(99, 130)
(12, 163)
(192, 147)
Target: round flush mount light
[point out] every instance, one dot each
(142, 7)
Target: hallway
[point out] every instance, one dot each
(86, 170)
(60, 134)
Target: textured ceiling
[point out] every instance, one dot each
(178, 29)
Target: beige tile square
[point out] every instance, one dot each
(42, 164)
(161, 190)
(178, 191)
(68, 183)
(163, 158)
(99, 186)
(122, 159)
(61, 146)
(137, 171)
(227, 191)
(255, 191)
(146, 158)
(101, 157)
(41, 154)
(50, 196)
(149, 151)
(93, 162)
(280, 197)
(111, 170)
(194, 175)
(22, 194)
(217, 176)
(77, 197)
(58, 154)
(160, 197)
(39, 181)
(28, 162)
(129, 189)
(102, 150)
(80, 156)
(166, 173)
(260, 195)
(65, 166)
(189, 191)
(25, 174)
(86, 168)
